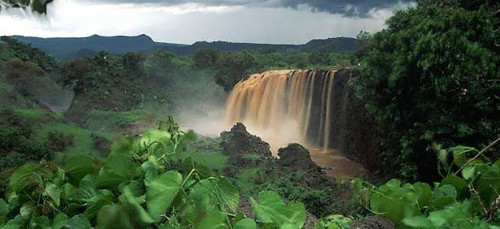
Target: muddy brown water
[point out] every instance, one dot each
(335, 164)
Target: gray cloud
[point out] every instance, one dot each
(349, 8)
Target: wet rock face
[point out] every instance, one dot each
(296, 157)
(354, 132)
(238, 142)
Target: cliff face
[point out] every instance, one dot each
(353, 131)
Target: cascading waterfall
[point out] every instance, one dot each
(285, 106)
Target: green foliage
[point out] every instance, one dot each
(59, 141)
(133, 63)
(134, 187)
(319, 201)
(25, 52)
(271, 211)
(18, 145)
(205, 58)
(466, 200)
(334, 222)
(231, 67)
(433, 77)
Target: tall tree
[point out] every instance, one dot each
(432, 79)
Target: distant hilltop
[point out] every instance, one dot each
(89, 46)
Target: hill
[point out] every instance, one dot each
(88, 46)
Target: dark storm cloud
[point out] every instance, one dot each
(345, 7)
(350, 8)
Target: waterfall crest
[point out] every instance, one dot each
(285, 106)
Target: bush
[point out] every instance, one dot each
(59, 141)
(319, 202)
(433, 77)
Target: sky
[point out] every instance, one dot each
(188, 21)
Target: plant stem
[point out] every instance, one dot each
(478, 155)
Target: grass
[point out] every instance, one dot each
(83, 142)
(213, 160)
(106, 121)
(39, 114)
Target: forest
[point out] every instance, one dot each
(135, 140)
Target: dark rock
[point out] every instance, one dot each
(238, 142)
(353, 131)
(296, 157)
(373, 222)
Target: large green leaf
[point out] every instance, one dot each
(226, 194)
(201, 200)
(137, 211)
(59, 221)
(212, 220)
(424, 193)
(488, 185)
(22, 177)
(245, 224)
(94, 204)
(118, 168)
(54, 192)
(114, 217)
(16, 223)
(42, 222)
(78, 166)
(150, 168)
(78, 222)
(443, 195)
(4, 210)
(27, 210)
(417, 222)
(271, 210)
(397, 201)
(460, 154)
(457, 215)
(151, 136)
(460, 185)
(162, 192)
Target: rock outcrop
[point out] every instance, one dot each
(296, 157)
(239, 142)
(243, 148)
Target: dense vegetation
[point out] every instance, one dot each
(431, 79)
(135, 187)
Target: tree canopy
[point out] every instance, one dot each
(432, 79)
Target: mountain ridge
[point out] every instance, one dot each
(75, 47)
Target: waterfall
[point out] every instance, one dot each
(285, 106)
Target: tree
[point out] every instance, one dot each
(433, 78)
(233, 67)
(362, 41)
(76, 73)
(205, 58)
(27, 53)
(133, 63)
